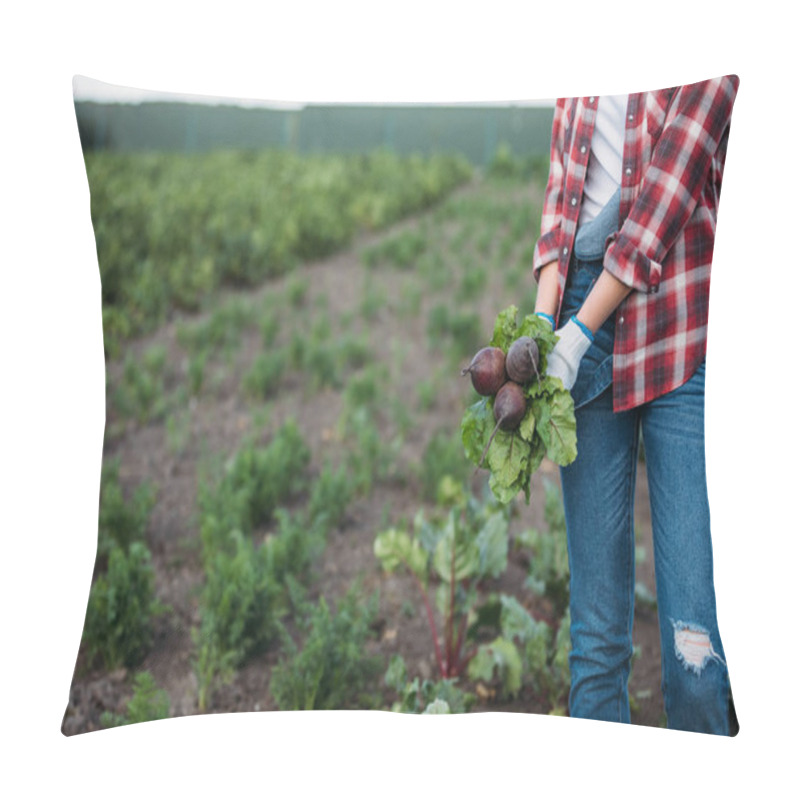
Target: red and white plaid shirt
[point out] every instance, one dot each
(673, 158)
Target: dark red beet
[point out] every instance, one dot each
(487, 370)
(509, 409)
(522, 361)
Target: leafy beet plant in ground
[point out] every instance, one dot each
(468, 546)
(547, 428)
(479, 636)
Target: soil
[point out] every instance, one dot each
(215, 422)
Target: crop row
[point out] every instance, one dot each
(171, 228)
(259, 560)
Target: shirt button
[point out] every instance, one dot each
(573, 201)
(565, 251)
(583, 148)
(591, 99)
(621, 320)
(630, 117)
(627, 170)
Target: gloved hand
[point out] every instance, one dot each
(574, 339)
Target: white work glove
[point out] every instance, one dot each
(574, 339)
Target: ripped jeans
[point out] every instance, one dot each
(598, 490)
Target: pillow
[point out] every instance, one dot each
(289, 517)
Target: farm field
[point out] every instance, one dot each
(275, 441)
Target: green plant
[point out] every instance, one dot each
(369, 458)
(239, 609)
(425, 697)
(410, 301)
(503, 163)
(427, 392)
(401, 250)
(330, 494)
(246, 595)
(332, 670)
(460, 330)
(434, 271)
(196, 371)
(525, 650)
(548, 565)
(373, 299)
(270, 326)
(297, 291)
(121, 521)
(139, 394)
(122, 605)
(178, 429)
(469, 546)
(147, 704)
(263, 378)
(363, 390)
(239, 600)
(220, 332)
(256, 481)
(473, 283)
(443, 456)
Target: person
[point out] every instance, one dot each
(622, 267)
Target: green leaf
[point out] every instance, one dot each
(476, 426)
(396, 674)
(537, 649)
(515, 621)
(507, 457)
(456, 556)
(492, 545)
(503, 656)
(481, 665)
(556, 427)
(546, 387)
(394, 547)
(505, 329)
(527, 426)
(438, 706)
(505, 494)
(425, 532)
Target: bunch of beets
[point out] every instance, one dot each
(502, 376)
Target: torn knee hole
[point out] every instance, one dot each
(693, 646)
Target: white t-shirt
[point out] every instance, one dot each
(604, 172)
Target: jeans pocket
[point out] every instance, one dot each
(594, 374)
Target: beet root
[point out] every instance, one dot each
(487, 370)
(509, 409)
(522, 361)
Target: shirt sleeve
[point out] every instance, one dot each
(546, 249)
(696, 123)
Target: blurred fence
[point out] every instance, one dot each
(472, 130)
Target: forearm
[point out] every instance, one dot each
(547, 291)
(606, 294)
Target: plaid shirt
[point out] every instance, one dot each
(673, 157)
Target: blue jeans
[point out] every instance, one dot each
(598, 489)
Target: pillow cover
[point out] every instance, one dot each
(287, 519)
